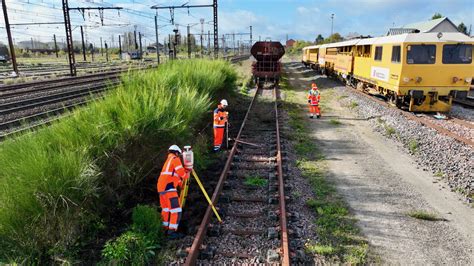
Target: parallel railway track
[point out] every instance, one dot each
(254, 228)
(32, 97)
(424, 120)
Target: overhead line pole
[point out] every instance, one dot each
(10, 40)
(83, 45)
(186, 6)
(157, 41)
(67, 24)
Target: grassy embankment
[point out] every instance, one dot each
(340, 240)
(63, 186)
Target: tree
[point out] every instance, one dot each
(436, 16)
(462, 28)
(319, 39)
(336, 37)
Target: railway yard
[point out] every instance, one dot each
(353, 150)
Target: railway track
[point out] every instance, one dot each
(21, 106)
(468, 102)
(423, 119)
(254, 228)
(29, 105)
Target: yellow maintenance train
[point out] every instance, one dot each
(423, 71)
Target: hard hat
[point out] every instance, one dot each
(175, 148)
(224, 102)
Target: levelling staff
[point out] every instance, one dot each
(220, 123)
(172, 176)
(313, 99)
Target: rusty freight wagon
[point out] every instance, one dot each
(267, 67)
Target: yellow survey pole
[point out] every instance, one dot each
(207, 196)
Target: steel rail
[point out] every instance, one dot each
(281, 191)
(26, 104)
(201, 233)
(421, 120)
(62, 80)
(17, 92)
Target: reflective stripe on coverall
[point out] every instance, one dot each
(314, 97)
(220, 118)
(170, 178)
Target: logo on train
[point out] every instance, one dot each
(380, 73)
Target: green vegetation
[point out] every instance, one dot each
(60, 187)
(335, 122)
(339, 236)
(297, 48)
(389, 130)
(413, 145)
(439, 174)
(138, 245)
(423, 215)
(255, 181)
(353, 104)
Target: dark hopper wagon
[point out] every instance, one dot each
(267, 67)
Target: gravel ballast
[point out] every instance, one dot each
(443, 156)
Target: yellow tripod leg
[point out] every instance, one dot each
(184, 193)
(207, 196)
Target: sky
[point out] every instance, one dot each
(271, 19)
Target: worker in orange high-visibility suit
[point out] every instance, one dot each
(313, 100)
(172, 176)
(220, 120)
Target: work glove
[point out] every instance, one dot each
(221, 118)
(309, 101)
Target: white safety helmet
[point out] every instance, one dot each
(175, 148)
(224, 102)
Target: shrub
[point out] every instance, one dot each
(147, 221)
(129, 248)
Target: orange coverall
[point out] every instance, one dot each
(313, 99)
(220, 119)
(172, 175)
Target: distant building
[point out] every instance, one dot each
(290, 43)
(435, 25)
(152, 48)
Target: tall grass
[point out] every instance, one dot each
(55, 183)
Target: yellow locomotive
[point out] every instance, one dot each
(423, 71)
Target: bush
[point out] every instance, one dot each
(138, 245)
(54, 182)
(147, 221)
(130, 248)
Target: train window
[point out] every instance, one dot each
(421, 54)
(396, 54)
(378, 53)
(457, 53)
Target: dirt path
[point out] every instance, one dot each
(382, 184)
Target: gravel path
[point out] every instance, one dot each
(382, 183)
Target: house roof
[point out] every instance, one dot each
(426, 26)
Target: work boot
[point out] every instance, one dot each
(175, 235)
(318, 116)
(311, 116)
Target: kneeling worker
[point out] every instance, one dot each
(220, 120)
(313, 99)
(171, 177)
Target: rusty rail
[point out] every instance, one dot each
(422, 120)
(281, 192)
(193, 252)
(201, 233)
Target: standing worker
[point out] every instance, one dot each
(172, 176)
(313, 99)
(220, 122)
